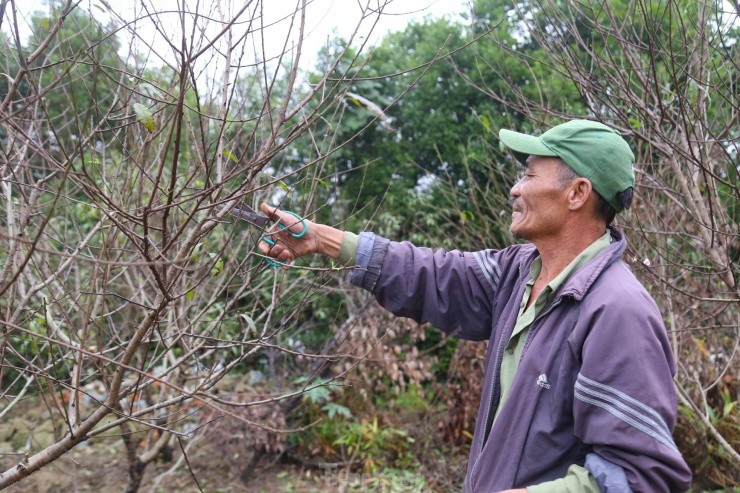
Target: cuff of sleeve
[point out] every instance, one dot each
(348, 250)
(608, 475)
(370, 254)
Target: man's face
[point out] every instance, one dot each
(540, 200)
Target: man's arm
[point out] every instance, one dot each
(452, 290)
(625, 403)
(446, 288)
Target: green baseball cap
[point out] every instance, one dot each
(591, 149)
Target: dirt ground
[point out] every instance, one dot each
(100, 465)
(103, 468)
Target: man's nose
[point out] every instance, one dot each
(515, 190)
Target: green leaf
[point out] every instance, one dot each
(318, 394)
(333, 409)
(145, 116)
(284, 186)
(712, 415)
(230, 155)
(325, 184)
(195, 257)
(190, 295)
(250, 323)
(217, 268)
(727, 409)
(486, 122)
(466, 216)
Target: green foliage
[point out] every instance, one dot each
(388, 173)
(26, 344)
(406, 406)
(711, 463)
(373, 444)
(334, 410)
(9, 63)
(346, 429)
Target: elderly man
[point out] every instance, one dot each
(578, 392)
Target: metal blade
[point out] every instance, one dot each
(253, 217)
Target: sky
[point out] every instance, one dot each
(323, 18)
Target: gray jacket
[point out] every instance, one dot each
(594, 386)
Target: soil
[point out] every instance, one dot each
(100, 465)
(103, 468)
(213, 466)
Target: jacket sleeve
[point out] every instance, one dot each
(625, 402)
(452, 290)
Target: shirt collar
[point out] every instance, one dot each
(588, 254)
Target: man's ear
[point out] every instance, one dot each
(579, 194)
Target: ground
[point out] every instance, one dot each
(100, 465)
(103, 468)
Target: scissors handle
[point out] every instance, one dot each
(300, 234)
(269, 261)
(283, 227)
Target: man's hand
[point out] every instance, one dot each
(319, 238)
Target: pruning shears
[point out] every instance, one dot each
(246, 213)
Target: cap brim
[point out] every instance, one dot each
(524, 145)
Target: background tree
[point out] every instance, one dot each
(127, 292)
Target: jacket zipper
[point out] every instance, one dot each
(499, 351)
(484, 439)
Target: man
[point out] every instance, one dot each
(578, 392)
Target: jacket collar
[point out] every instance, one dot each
(578, 284)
